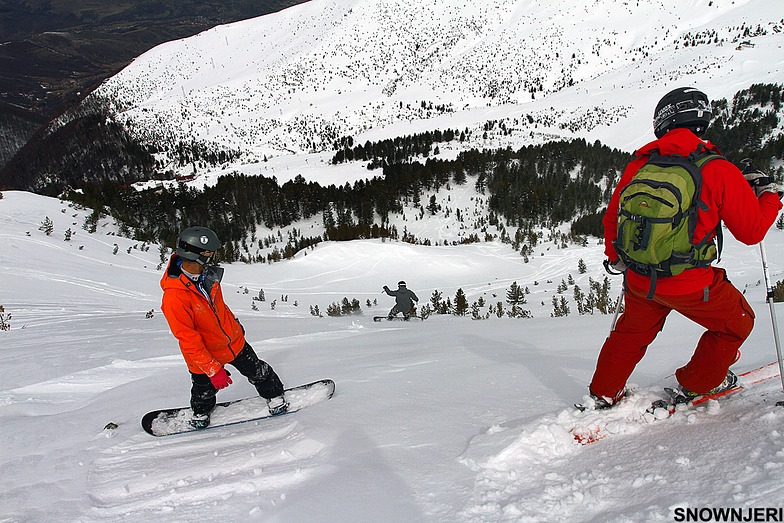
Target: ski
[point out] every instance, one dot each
(396, 318)
(598, 423)
(753, 377)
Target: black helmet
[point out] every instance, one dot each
(401, 284)
(684, 107)
(197, 244)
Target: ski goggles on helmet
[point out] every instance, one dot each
(699, 106)
(202, 257)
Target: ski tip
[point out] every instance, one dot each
(586, 437)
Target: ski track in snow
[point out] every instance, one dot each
(75, 389)
(299, 339)
(261, 465)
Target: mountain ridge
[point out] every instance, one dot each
(352, 66)
(54, 53)
(277, 95)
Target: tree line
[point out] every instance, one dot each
(547, 184)
(394, 150)
(533, 186)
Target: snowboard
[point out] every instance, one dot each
(598, 424)
(167, 422)
(396, 318)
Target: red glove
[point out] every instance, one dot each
(221, 379)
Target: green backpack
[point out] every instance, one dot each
(658, 215)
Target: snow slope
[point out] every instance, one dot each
(446, 420)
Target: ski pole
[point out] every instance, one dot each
(769, 299)
(610, 270)
(617, 310)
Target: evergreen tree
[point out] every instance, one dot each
(602, 292)
(515, 295)
(476, 311)
(446, 307)
(579, 298)
(435, 300)
(433, 206)
(461, 303)
(425, 311)
(560, 307)
(91, 221)
(499, 309)
(47, 226)
(333, 310)
(778, 291)
(5, 320)
(345, 306)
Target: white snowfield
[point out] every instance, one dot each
(446, 420)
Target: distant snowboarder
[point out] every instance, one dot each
(404, 300)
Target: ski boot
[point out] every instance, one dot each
(599, 402)
(682, 395)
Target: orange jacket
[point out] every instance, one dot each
(728, 195)
(209, 334)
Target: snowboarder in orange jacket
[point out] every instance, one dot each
(209, 334)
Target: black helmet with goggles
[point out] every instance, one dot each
(684, 107)
(197, 244)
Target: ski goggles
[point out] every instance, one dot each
(202, 257)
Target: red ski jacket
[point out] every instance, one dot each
(209, 334)
(727, 194)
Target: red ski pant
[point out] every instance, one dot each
(720, 308)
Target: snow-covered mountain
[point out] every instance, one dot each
(446, 420)
(295, 81)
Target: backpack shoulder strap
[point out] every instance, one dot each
(701, 156)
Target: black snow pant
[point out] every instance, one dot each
(396, 310)
(258, 372)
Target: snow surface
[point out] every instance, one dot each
(447, 420)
